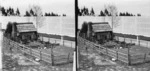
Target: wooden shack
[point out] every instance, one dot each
(21, 32)
(101, 31)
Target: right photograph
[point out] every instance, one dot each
(113, 35)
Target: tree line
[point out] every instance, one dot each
(86, 12)
(11, 12)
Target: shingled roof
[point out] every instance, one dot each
(101, 27)
(25, 27)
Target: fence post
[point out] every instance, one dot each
(147, 43)
(124, 39)
(63, 42)
(30, 52)
(129, 59)
(144, 57)
(68, 57)
(117, 54)
(139, 42)
(23, 50)
(40, 55)
(52, 57)
(42, 39)
(49, 40)
(106, 50)
(71, 44)
(55, 41)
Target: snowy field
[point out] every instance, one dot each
(126, 25)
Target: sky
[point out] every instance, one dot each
(56, 6)
(131, 6)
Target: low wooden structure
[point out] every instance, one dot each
(21, 32)
(99, 32)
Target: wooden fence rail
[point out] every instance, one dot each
(7, 43)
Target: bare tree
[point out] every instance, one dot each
(38, 15)
(112, 9)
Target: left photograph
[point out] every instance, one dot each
(37, 35)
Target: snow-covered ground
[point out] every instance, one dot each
(126, 25)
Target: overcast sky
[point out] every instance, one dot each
(131, 6)
(56, 6)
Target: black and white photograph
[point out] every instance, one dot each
(37, 35)
(113, 35)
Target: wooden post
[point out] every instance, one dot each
(40, 55)
(42, 39)
(129, 60)
(68, 57)
(117, 54)
(147, 43)
(71, 44)
(49, 40)
(144, 57)
(63, 43)
(139, 42)
(52, 57)
(30, 52)
(86, 50)
(124, 39)
(106, 50)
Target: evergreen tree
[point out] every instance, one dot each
(4, 13)
(138, 14)
(17, 12)
(27, 13)
(64, 14)
(46, 14)
(102, 14)
(106, 12)
(32, 13)
(92, 12)
(120, 14)
(12, 12)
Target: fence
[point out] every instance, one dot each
(131, 40)
(50, 58)
(124, 57)
(54, 40)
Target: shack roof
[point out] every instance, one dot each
(101, 27)
(25, 27)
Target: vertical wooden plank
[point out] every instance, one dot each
(117, 54)
(63, 42)
(147, 43)
(129, 59)
(139, 42)
(49, 40)
(106, 50)
(52, 57)
(144, 60)
(71, 44)
(30, 51)
(40, 55)
(68, 57)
